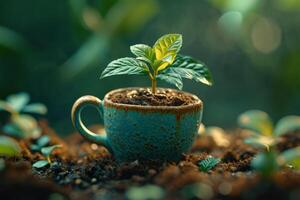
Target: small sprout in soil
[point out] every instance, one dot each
(22, 125)
(208, 163)
(265, 135)
(40, 164)
(261, 126)
(161, 61)
(46, 151)
(268, 162)
(40, 143)
(9, 147)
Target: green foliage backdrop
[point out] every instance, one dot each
(56, 50)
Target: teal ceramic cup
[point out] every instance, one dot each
(135, 132)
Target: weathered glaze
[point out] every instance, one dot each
(143, 132)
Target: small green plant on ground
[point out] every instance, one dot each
(46, 151)
(161, 61)
(264, 136)
(40, 143)
(208, 163)
(22, 125)
(9, 147)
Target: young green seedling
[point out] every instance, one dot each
(208, 163)
(161, 61)
(46, 151)
(265, 136)
(9, 147)
(22, 125)
(40, 143)
(263, 133)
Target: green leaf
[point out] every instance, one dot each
(126, 66)
(43, 141)
(27, 125)
(9, 147)
(208, 163)
(265, 163)
(46, 151)
(290, 157)
(171, 78)
(260, 141)
(40, 164)
(37, 108)
(35, 147)
(18, 101)
(287, 124)
(166, 49)
(40, 143)
(189, 68)
(143, 52)
(13, 130)
(257, 121)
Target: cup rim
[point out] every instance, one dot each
(173, 109)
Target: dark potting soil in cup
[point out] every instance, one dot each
(143, 96)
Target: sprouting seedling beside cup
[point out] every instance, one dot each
(46, 151)
(265, 137)
(22, 125)
(161, 61)
(263, 133)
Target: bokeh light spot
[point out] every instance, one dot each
(266, 35)
(231, 22)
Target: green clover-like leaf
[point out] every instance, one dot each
(18, 101)
(290, 157)
(126, 66)
(40, 164)
(261, 141)
(171, 78)
(208, 163)
(287, 124)
(37, 108)
(9, 147)
(46, 151)
(143, 52)
(166, 49)
(257, 121)
(189, 68)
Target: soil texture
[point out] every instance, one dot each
(144, 97)
(83, 170)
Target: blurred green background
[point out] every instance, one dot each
(55, 50)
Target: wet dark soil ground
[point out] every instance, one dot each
(144, 96)
(83, 170)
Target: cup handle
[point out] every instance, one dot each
(78, 106)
